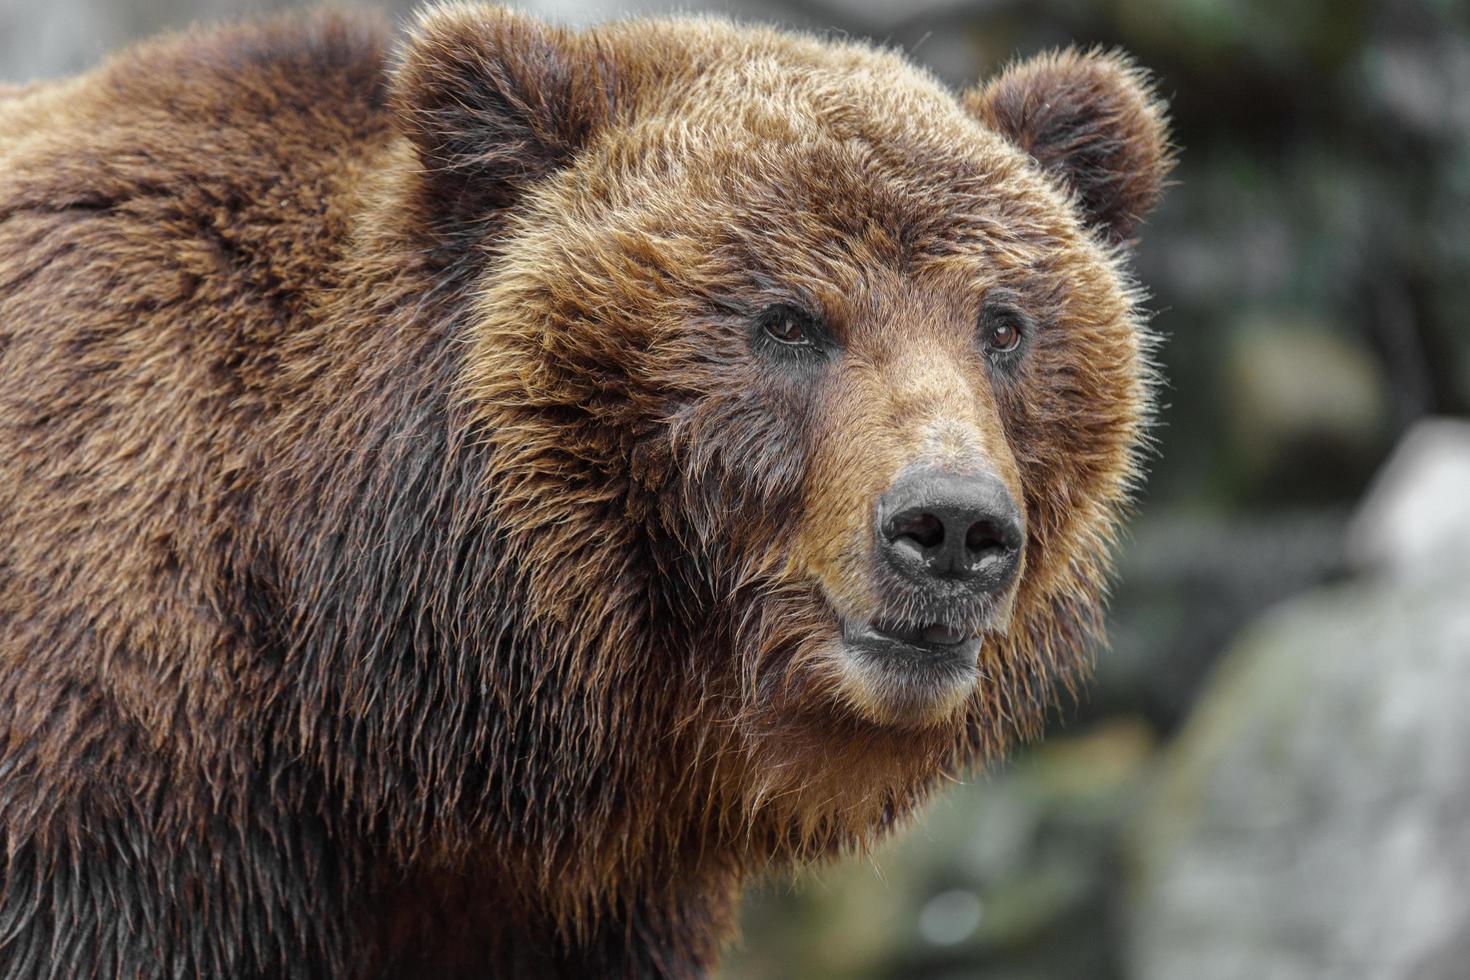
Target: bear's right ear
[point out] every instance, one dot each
(493, 101)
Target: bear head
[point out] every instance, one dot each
(814, 392)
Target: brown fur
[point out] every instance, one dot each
(408, 568)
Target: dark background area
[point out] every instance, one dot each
(1310, 270)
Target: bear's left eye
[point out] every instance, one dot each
(1003, 331)
(1003, 338)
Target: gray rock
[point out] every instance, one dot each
(1415, 520)
(1313, 820)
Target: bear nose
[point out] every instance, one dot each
(934, 524)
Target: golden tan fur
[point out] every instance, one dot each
(409, 565)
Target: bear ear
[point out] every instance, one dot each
(1090, 119)
(493, 101)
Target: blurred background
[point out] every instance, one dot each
(1270, 775)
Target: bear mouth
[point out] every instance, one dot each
(920, 643)
(909, 673)
(912, 662)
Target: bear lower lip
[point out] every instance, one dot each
(908, 675)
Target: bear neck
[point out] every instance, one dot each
(475, 695)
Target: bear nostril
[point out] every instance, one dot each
(924, 529)
(985, 538)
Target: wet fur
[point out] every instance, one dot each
(365, 612)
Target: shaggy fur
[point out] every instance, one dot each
(411, 562)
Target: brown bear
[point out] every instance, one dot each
(464, 511)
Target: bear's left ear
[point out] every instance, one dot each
(1090, 119)
(493, 101)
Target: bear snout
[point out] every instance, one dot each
(945, 530)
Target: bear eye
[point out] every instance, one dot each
(1002, 337)
(1004, 331)
(786, 325)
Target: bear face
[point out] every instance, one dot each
(848, 368)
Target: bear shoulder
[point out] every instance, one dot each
(230, 104)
